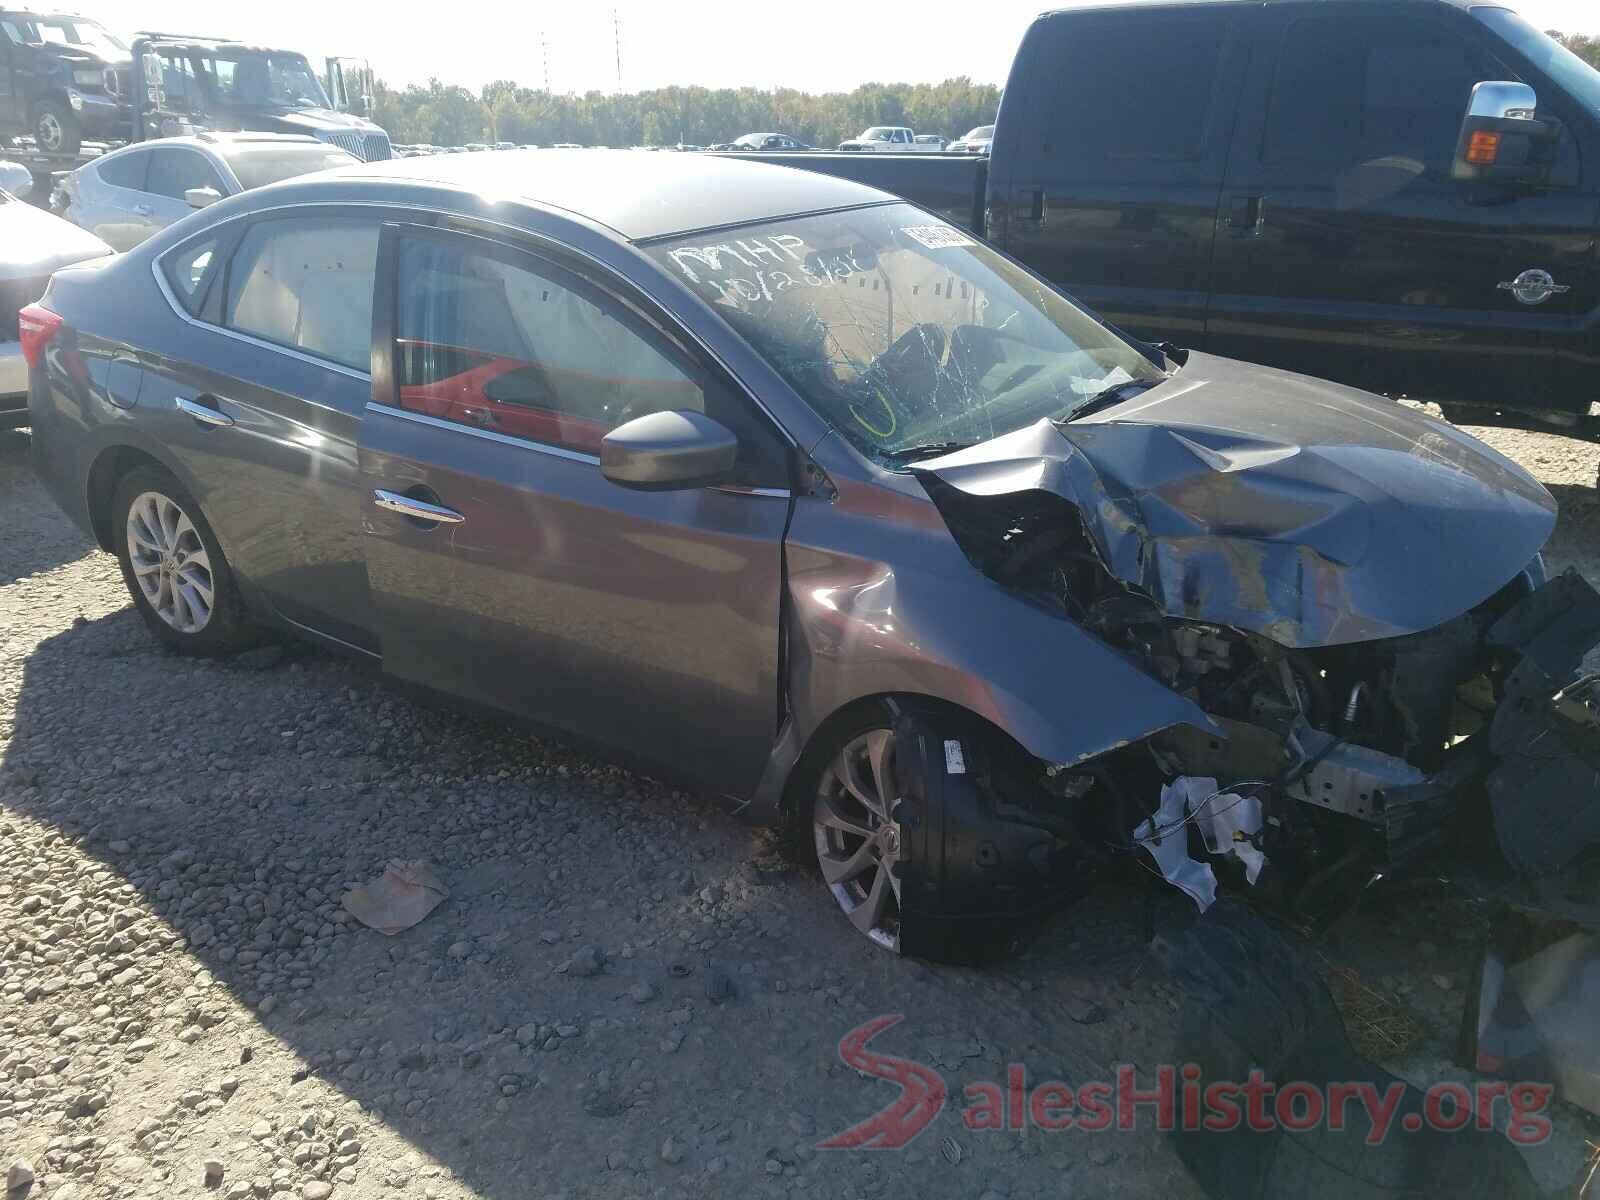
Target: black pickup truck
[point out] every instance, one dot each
(1402, 195)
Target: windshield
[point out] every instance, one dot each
(980, 133)
(257, 166)
(878, 133)
(904, 332)
(1569, 72)
(65, 31)
(263, 79)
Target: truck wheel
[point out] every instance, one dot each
(56, 129)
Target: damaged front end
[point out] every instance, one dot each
(1366, 625)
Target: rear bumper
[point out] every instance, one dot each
(13, 385)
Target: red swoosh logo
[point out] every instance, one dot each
(922, 1092)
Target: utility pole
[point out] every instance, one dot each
(616, 28)
(544, 47)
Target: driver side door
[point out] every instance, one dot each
(643, 620)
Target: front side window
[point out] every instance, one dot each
(306, 283)
(1356, 89)
(173, 172)
(1568, 70)
(1133, 85)
(535, 353)
(902, 331)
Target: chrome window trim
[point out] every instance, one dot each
(489, 435)
(505, 439)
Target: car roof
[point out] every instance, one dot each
(1089, 5)
(638, 196)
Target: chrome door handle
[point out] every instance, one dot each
(143, 210)
(420, 509)
(205, 414)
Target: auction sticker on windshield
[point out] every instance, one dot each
(938, 237)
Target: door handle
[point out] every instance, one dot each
(421, 510)
(1246, 215)
(203, 409)
(143, 210)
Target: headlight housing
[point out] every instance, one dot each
(88, 77)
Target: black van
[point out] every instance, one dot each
(1402, 195)
(62, 78)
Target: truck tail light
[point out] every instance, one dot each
(36, 325)
(1484, 148)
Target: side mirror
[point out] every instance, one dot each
(666, 451)
(201, 197)
(1502, 138)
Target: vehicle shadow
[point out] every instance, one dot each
(239, 830)
(39, 537)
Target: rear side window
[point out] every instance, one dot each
(1367, 85)
(1136, 85)
(124, 170)
(306, 283)
(174, 171)
(536, 354)
(188, 271)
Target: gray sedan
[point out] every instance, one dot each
(785, 488)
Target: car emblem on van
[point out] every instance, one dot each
(1534, 286)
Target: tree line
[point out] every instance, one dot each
(444, 115)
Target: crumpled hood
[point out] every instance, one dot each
(34, 243)
(1307, 512)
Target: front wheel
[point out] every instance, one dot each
(173, 566)
(56, 129)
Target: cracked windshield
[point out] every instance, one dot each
(906, 334)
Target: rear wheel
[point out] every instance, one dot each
(56, 129)
(173, 566)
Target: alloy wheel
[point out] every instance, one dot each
(170, 562)
(858, 842)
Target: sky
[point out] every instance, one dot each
(817, 46)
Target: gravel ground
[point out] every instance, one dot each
(625, 994)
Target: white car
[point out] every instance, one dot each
(32, 245)
(127, 195)
(974, 141)
(893, 139)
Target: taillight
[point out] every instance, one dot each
(36, 325)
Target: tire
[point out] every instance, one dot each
(56, 129)
(168, 566)
(910, 812)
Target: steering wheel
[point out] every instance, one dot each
(926, 339)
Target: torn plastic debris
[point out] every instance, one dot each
(402, 896)
(1535, 1019)
(1226, 821)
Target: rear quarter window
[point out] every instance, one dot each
(124, 170)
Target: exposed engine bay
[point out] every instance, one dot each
(1235, 575)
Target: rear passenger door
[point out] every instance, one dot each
(1346, 249)
(647, 621)
(1116, 165)
(112, 203)
(260, 396)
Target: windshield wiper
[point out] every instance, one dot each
(926, 450)
(1108, 397)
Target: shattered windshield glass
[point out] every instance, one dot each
(907, 334)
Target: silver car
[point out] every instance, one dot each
(125, 196)
(32, 245)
